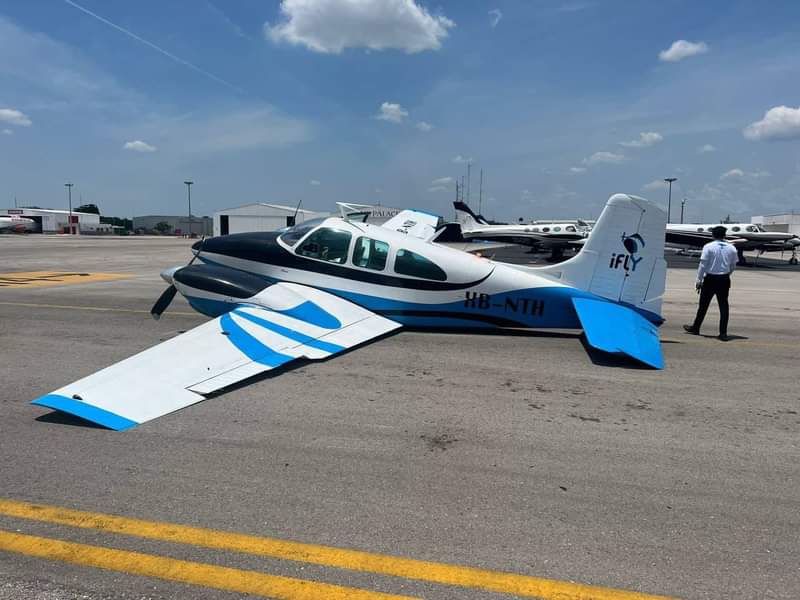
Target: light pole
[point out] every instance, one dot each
(69, 195)
(189, 193)
(683, 204)
(669, 180)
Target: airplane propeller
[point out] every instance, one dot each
(168, 295)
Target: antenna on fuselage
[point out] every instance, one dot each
(296, 210)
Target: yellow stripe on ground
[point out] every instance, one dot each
(93, 308)
(171, 569)
(27, 279)
(354, 560)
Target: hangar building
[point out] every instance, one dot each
(57, 221)
(178, 224)
(260, 216)
(788, 222)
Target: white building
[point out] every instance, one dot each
(57, 221)
(783, 222)
(178, 224)
(260, 216)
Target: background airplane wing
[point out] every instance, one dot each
(416, 223)
(303, 323)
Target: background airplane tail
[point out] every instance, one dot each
(623, 258)
(466, 218)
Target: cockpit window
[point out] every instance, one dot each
(295, 233)
(326, 244)
(411, 263)
(370, 254)
(571, 228)
(752, 228)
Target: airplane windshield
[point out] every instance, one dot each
(295, 233)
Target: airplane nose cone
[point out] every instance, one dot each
(169, 274)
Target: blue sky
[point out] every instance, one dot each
(561, 102)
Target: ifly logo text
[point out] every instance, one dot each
(628, 260)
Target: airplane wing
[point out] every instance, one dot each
(417, 223)
(696, 239)
(302, 322)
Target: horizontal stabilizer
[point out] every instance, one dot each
(617, 329)
(414, 222)
(294, 322)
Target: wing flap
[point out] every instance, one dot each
(249, 340)
(617, 329)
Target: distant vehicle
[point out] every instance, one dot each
(555, 237)
(16, 224)
(325, 286)
(745, 236)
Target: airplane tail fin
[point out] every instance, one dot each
(623, 257)
(466, 218)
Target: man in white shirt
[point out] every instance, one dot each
(717, 262)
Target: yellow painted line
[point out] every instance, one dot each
(171, 569)
(354, 560)
(94, 308)
(28, 279)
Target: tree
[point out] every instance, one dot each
(162, 227)
(88, 208)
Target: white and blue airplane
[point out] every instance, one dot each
(323, 287)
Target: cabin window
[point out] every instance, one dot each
(411, 263)
(709, 229)
(370, 254)
(536, 229)
(737, 228)
(571, 228)
(295, 233)
(326, 244)
(700, 229)
(556, 228)
(545, 229)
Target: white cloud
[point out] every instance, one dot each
(392, 112)
(7, 132)
(437, 188)
(706, 148)
(733, 173)
(15, 117)
(423, 126)
(315, 182)
(443, 181)
(682, 49)
(139, 146)
(604, 157)
(646, 139)
(460, 160)
(578, 169)
(656, 184)
(494, 17)
(525, 195)
(330, 26)
(779, 123)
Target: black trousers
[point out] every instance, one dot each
(719, 286)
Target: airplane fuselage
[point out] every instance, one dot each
(460, 290)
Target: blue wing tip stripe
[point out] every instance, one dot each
(85, 411)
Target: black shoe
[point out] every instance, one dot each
(724, 337)
(690, 329)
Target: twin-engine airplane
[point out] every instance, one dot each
(555, 236)
(321, 288)
(744, 236)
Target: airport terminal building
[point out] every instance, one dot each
(260, 216)
(787, 222)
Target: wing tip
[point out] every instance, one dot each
(85, 411)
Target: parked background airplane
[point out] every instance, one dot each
(16, 224)
(323, 287)
(745, 236)
(554, 236)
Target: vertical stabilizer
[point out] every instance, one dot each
(467, 219)
(623, 258)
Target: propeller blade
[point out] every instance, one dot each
(163, 302)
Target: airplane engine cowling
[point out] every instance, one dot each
(214, 290)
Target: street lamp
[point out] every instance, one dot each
(683, 203)
(669, 200)
(69, 194)
(189, 192)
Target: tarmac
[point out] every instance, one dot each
(521, 456)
